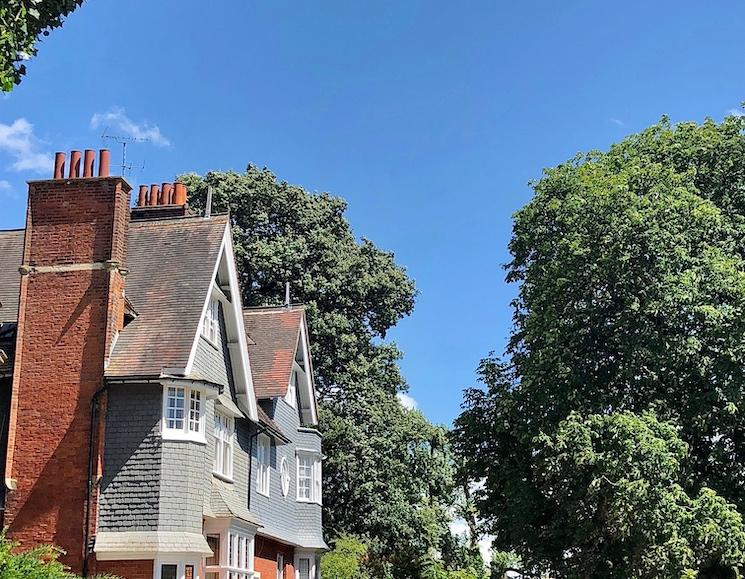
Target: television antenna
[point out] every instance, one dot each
(124, 141)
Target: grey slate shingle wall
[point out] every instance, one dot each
(130, 488)
(183, 485)
(285, 517)
(210, 359)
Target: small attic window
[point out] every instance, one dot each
(211, 321)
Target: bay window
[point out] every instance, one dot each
(308, 477)
(183, 413)
(233, 548)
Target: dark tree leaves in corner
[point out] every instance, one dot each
(22, 23)
(611, 437)
(387, 473)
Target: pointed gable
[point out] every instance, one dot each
(275, 333)
(171, 265)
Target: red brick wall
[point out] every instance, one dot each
(65, 324)
(265, 558)
(126, 569)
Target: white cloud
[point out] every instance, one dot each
(18, 141)
(116, 118)
(736, 112)
(406, 401)
(618, 122)
(6, 189)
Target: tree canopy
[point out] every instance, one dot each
(22, 23)
(387, 476)
(631, 298)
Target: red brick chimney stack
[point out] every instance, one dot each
(71, 307)
(160, 202)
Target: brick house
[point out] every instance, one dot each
(152, 427)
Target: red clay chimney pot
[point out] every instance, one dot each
(142, 197)
(88, 159)
(167, 192)
(153, 194)
(104, 162)
(74, 164)
(59, 165)
(179, 194)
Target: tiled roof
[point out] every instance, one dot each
(270, 425)
(171, 263)
(110, 543)
(223, 503)
(11, 257)
(275, 333)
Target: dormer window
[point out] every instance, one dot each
(210, 323)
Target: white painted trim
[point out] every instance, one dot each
(223, 528)
(181, 561)
(315, 475)
(243, 367)
(237, 345)
(309, 386)
(311, 568)
(260, 440)
(205, 305)
(186, 434)
(284, 484)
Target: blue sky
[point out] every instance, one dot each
(429, 117)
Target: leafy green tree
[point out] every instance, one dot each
(503, 561)
(354, 291)
(631, 297)
(612, 482)
(38, 563)
(346, 560)
(388, 475)
(22, 23)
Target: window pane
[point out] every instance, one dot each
(241, 552)
(189, 572)
(231, 553)
(195, 410)
(304, 477)
(175, 408)
(214, 543)
(304, 568)
(168, 571)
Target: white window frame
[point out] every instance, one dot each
(280, 566)
(224, 445)
(264, 464)
(186, 431)
(311, 556)
(211, 321)
(284, 476)
(291, 396)
(315, 490)
(181, 561)
(234, 540)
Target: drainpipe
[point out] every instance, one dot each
(89, 483)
